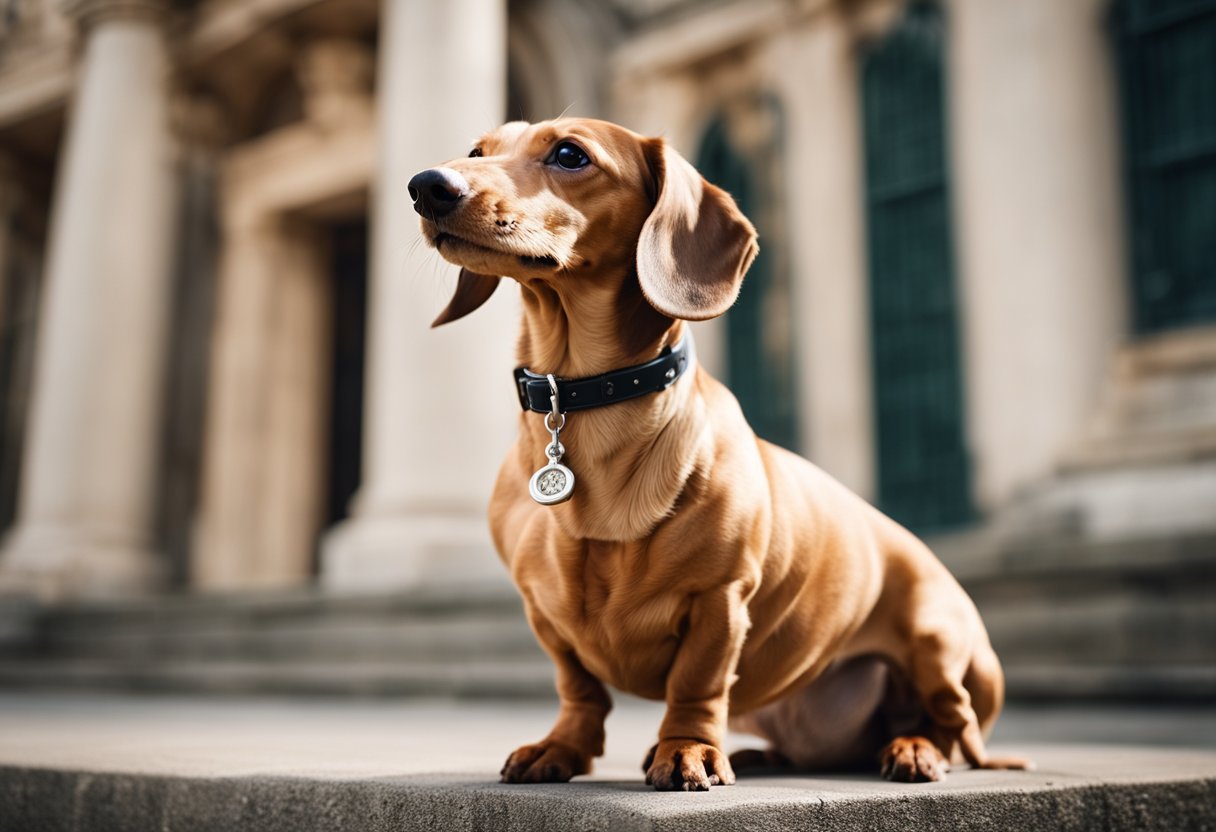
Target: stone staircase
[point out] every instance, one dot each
(1100, 582)
(1072, 618)
(442, 642)
(1159, 408)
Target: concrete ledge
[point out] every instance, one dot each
(1063, 797)
(77, 763)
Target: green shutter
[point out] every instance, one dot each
(923, 467)
(760, 367)
(1168, 57)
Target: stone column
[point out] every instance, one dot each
(440, 409)
(818, 68)
(262, 483)
(86, 503)
(1038, 218)
(264, 454)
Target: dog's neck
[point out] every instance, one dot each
(633, 459)
(596, 327)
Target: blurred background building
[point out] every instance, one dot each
(986, 301)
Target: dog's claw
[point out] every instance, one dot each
(687, 765)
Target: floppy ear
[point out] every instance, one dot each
(472, 290)
(696, 245)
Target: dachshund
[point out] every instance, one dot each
(692, 562)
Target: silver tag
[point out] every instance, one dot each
(552, 484)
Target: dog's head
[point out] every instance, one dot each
(574, 199)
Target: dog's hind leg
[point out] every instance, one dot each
(911, 757)
(960, 706)
(985, 682)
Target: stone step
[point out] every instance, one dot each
(240, 609)
(514, 678)
(1077, 618)
(1127, 627)
(1063, 558)
(387, 637)
(152, 763)
(462, 642)
(1029, 680)
(1152, 791)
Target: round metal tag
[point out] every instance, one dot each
(552, 484)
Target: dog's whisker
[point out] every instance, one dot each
(417, 242)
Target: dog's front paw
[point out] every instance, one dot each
(913, 760)
(547, 761)
(687, 765)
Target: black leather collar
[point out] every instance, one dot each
(609, 388)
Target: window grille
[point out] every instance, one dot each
(1167, 54)
(923, 465)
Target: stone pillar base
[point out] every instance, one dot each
(380, 553)
(55, 563)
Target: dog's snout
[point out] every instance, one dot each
(437, 191)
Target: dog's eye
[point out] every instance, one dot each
(570, 156)
(474, 153)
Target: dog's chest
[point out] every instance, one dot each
(627, 639)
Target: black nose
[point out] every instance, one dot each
(437, 191)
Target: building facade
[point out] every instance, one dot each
(986, 298)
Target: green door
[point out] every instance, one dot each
(760, 367)
(1168, 57)
(923, 467)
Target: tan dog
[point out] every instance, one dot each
(695, 563)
